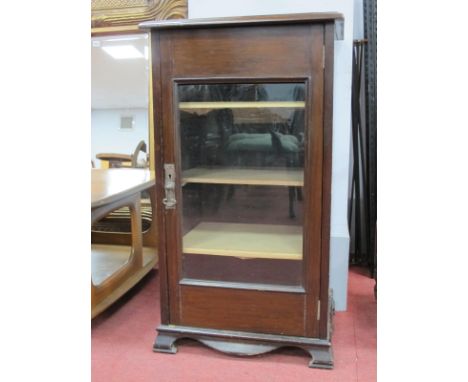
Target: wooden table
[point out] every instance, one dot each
(117, 268)
(111, 160)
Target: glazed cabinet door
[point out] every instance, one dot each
(241, 161)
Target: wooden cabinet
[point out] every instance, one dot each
(243, 126)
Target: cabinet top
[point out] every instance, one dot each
(293, 18)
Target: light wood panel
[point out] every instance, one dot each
(246, 176)
(150, 260)
(111, 16)
(242, 105)
(114, 156)
(107, 259)
(245, 240)
(252, 115)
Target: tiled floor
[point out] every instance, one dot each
(122, 339)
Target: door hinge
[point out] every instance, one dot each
(318, 310)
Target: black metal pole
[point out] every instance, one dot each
(356, 165)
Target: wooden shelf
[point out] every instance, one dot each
(247, 176)
(266, 115)
(245, 241)
(108, 259)
(242, 105)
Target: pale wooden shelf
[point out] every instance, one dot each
(242, 105)
(248, 176)
(243, 115)
(108, 259)
(247, 241)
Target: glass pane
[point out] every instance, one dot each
(242, 152)
(119, 100)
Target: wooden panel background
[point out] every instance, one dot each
(120, 14)
(252, 311)
(262, 51)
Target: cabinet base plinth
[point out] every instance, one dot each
(244, 343)
(165, 344)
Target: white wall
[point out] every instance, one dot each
(358, 19)
(106, 136)
(339, 245)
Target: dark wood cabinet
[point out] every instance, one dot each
(243, 127)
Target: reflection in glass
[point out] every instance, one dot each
(119, 93)
(242, 152)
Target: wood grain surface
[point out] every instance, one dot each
(266, 241)
(108, 185)
(242, 105)
(248, 310)
(289, 19)
(247, 176)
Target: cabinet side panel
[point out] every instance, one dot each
(327, 167)
(313, 179)
(275, 51)
(244, 310)
(158, 165)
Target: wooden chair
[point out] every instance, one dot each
(116, 160)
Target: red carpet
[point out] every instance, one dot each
(122, 339)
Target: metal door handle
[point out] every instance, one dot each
(169, 186)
